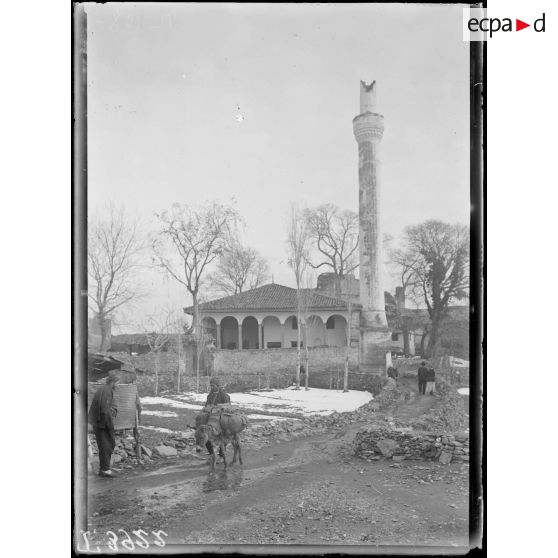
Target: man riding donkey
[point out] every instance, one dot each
(216, 396)
(217, 423)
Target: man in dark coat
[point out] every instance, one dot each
(101, 416)
(422, 378)
(216, 396)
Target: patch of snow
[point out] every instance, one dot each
(459, 362)
(160, 413)
(168, 402)
(463, 391)
(160, 429)
(267, 417)
(312, 402)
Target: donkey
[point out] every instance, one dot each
(219, 438)
(220, 426)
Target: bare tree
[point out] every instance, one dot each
(405, 277)
(160, 330)
(306, 297)
(297, 252)
(434, 265)
(189, 240)
(239, 268)
(334, 233)
(113, 253)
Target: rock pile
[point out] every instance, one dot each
(383, 441)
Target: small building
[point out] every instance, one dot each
(266, 318)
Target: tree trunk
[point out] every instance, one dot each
(422, 343)
(337, 285)
(433, 348)
(178, 351)
(156, 390)
(406, 348)
(306, 355)
(105, 341)
(198, 337)
(298, 356)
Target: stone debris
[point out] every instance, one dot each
(387, 447)
(445, 458)
(165, 451)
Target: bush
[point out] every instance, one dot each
(237, 385)
(375, 384)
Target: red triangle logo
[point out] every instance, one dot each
(519, 25)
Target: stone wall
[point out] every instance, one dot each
(275, 368)
(400, 443)
(240, 370)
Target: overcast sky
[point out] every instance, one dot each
(189, 103)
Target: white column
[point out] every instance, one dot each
(218, 340)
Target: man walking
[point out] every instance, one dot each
(422, 375)
(430, 381)
(101, 416)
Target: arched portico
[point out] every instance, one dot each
(272, 333)
(229, 333)
(250, 333)
(336, 331)
(315, 331)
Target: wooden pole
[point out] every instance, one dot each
(137, 437)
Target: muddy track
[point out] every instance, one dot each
(305, 491)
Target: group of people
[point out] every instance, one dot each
(426, 379)
(103, 411)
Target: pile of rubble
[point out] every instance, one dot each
(125, 456)
(384, 441)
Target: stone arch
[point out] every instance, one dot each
(336, 330)
(229, 333)
(250, 333)
(272, 332)
(290, 331)
(315, 331)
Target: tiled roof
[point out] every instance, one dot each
(270, 297)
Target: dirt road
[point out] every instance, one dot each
(309, 491)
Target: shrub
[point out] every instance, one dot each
(375, 384)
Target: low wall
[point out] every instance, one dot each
(240, 370)
(276, 368)
(400, 444)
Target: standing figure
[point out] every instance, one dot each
(431, 381)
(101, 416)
(422, 375)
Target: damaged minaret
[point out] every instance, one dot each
(375, 337)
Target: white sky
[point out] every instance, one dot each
(168, 83)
